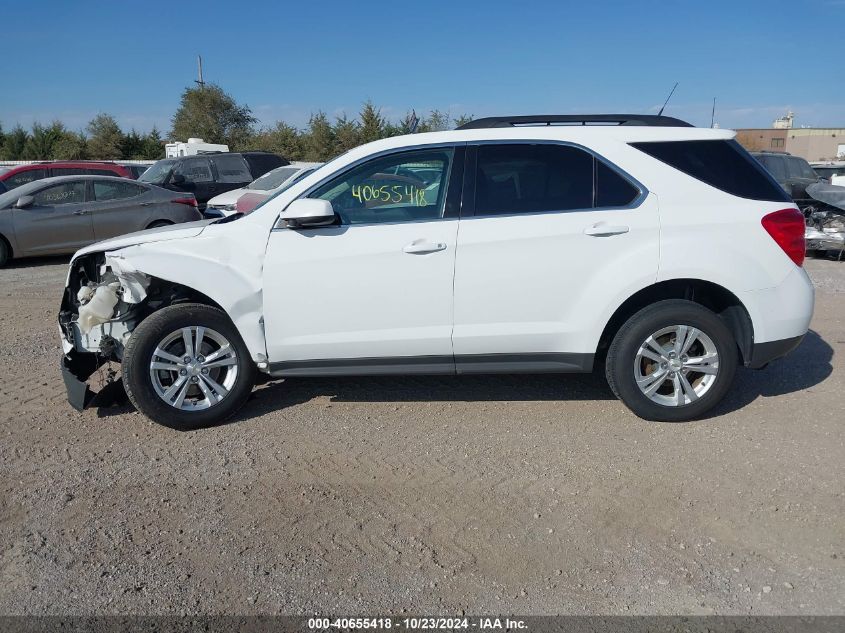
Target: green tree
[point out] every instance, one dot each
(319, 140)
(14, 143)
(211, 114)
(105, 139)
(281, 139)
(347, 134)
(463, 119)
(70, 146)
(436, 121)
(372, 123)
(39, 145)
(152, 146)
(132, 145)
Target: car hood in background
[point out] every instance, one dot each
(833, 195)
(160, 234)
(228, 197)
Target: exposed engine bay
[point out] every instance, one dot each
(103, 302)
(825, 218)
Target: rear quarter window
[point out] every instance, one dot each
(724, 165)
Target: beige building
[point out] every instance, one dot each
(809, 143)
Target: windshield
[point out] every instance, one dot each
(272, 179)
(158, 172)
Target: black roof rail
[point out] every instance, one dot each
(648, 120)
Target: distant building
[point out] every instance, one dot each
(812, 143)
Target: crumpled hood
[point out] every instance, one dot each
(160, 234)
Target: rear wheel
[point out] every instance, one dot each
(4, 252)
(186, 367)
(672, 361)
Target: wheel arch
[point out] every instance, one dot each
(8, 244)
(705, 293)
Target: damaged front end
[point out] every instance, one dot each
(101, 305)
(825, 218)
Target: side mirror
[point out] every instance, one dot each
(308, 212)
(24, 202)
(177, 179)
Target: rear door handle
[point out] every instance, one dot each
(605, 230)
(420, 247)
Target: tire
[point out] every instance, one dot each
(159, 223)
(4, 252)
(625, 365)
(231, 373)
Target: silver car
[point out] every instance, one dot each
(60, 215)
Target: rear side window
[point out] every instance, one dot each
(115, 190)
(612, 190)
(231, 168)
(721, 164)
(513, 178)
(25, 176)
(523, 178)
(68, 171)
(260, 164)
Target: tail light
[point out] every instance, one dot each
(191, 202)
(787, 229)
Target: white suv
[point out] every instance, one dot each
(520, 244)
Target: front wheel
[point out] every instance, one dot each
(672, 361)
(187, 367)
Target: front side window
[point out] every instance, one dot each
(25, 176)
(231, 168)
(105, 190)
(65, 193)
(405, 187)
(195, 170)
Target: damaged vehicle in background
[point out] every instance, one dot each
(56, 216)
(825, 233)
(453, 253)
(245, 199)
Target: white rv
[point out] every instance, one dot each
(192, 147)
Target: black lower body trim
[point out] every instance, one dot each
(77, 368)
(432, 365)
(764, 353)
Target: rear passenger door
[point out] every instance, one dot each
(550, 238)
(119, 207)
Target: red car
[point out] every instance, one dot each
(23, 174)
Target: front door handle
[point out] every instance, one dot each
(605, 230)
(420, 247)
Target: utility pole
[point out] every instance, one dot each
(199, 81)
(713, 114)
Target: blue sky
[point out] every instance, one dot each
(287, 59)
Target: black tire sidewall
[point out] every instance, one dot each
(5, 251)
(138, 354)
(623, 350)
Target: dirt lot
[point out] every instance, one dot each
(525, 494)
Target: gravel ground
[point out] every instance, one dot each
(524, 494)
